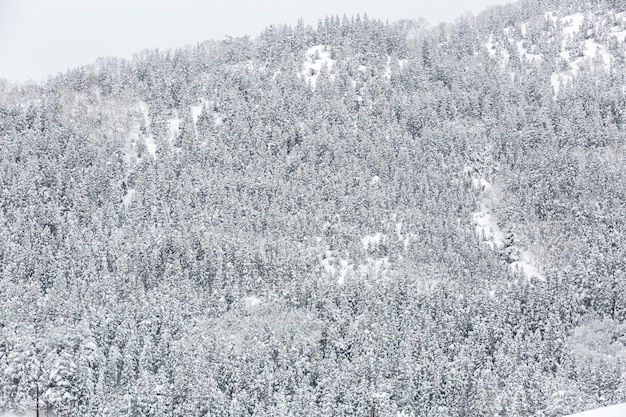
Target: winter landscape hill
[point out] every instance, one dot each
(430, 219)
(611, 411)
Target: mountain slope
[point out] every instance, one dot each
(612, 411)
(320, 218)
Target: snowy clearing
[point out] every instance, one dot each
(591, 49)
(491, 47)
(149, 139)
(486, 225)
(195, 112)
(571, 23)
(523, 52)
(574, 53)
(128, 197)
(388, 68)
(251, 301)
(174, 127)
(315, 58)
(489, 231)
(342, 266)
(372, 242)
(526, 265)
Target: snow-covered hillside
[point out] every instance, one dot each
(316, 219)
(316, 58)
(488, 229)
(618, 410)
(569, 43)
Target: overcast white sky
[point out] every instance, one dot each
(41, 37)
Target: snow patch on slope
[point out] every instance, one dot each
(128, 197)
(485, 222)
(251, 301)
(576, 50)
(345, 267)
(373, 241)
(149, 139)
(337, 268)
(523, 53)
(342, 266)
(196, 111)
(618, 410)
(487, 228)
(486, 225)
(376, 268)
(173, 127)
(315, 58)
(526, 265)
(572, 23)
(591, 48)
(491, 47)
(401, 63)
(388, 68)
(551, 15)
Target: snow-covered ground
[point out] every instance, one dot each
(572, 25)
(491, 47)
(343, 266)
(196, 111)
(373, 266)
(575, 53)
(484, 220)
(174, 127)
(526, 265)
(315, 58)
(486, 225)
(523, 52)
(488, 229)
(251, 301)
(149, 139)
(388, 68)
(128, 197)
(618, 410)
(373, 241)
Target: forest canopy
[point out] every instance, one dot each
(430, 219)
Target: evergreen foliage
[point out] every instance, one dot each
(207, 231)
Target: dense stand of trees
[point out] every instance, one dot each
(227, 273)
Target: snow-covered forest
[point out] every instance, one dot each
(318, 219)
